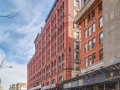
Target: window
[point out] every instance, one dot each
(89, 45)
(62, 56)
(85, 22)
(59, 68)
(90, 60)
(48, 83)
(59, 60)
(77, 26)
(100, 7)
(101, 54)
(63, 66)
(77, 65)
(93, 27)
(54, 81)
(85, 34)
(101, 38)
(76, 12)
(77, 55)
(61, 79)
(93, 14)
(93, 42)
(89, 31)
(88, 18)
(93, 57)
(77, 35)
(54, 70)
(85, 1)
(86, 47)
(100, 21)
(77, 45)
(55, 63)
(86, 62)
(77, 3)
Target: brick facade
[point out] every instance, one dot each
(55, 56)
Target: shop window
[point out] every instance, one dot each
(93, 42)
(100, 21)
(101, 54)
(101, 38)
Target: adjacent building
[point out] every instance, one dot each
(18, 86)
(100, 60)
(57, 48)
(21, 86)
(1, 88)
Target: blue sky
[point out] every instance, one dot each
(18, 34)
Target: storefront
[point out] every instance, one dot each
(106, 78)
(53, 87)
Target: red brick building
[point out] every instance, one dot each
(57, 48)
(91, 24)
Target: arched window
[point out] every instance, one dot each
(62, 56)
(61, 79)
(48, 83)
(54, 81)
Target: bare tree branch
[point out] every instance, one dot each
(13, 14)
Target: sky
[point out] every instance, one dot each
(17, 35)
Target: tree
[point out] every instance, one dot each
(13, 14)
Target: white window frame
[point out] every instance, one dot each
(90, 30)
(93, 28)
(101, 21)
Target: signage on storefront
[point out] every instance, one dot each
(67, 85)
(112, 75)
(80, 82)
